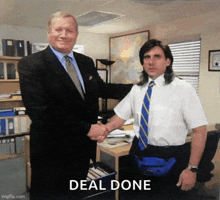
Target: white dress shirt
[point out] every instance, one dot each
(174, 109)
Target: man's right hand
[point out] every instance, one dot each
(98, 132)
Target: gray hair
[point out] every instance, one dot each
(61, 14)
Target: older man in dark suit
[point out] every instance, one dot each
(64, 118)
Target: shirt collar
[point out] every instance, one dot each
(60, 55)
(158, 81)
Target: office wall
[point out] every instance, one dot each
(96, 45)
(207, 28)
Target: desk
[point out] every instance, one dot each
(116, 153)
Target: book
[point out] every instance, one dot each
(102, 170)
(8, 47)
(98, 171)
(91, 176)
(114, 145)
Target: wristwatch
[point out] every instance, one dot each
(193, 168)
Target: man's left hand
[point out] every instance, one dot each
(187, 180)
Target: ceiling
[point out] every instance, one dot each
(130, 14)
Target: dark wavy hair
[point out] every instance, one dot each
(168, 74)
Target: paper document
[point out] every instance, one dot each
(129, 121)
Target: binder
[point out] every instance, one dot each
(19, 144)
(2, 71)
(29, 48)
(11, 71)
(5, 147)
(17, 126)
(20, 48)
(23, 124)
(8, 47)
(0, 128)
(1, 48)
(10, 123)
(7, 112)
(12, 146)
(3, 127)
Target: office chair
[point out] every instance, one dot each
(206, 165)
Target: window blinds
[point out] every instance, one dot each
(186, 61)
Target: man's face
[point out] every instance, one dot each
(62, 34)
(155, 63)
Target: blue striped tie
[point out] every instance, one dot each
(143, 139)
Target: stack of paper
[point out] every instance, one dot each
(118, 133)
(129, 121)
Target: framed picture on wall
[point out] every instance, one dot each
(214, 60)
(124, 50)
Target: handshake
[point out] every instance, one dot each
(98, 132)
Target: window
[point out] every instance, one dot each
(186, 61)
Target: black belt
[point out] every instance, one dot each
(160, 151)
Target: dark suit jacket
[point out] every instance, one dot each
(60, 117)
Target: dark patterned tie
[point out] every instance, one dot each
(143, 139)
(72, 73)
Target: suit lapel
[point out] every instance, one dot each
(54, 64)
(83, 68)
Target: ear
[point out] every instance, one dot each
(48, 32)
(168, 61)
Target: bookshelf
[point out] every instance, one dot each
(9, 81)
(8, 69)
(11, 143)
(12, 135)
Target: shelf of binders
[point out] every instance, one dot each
(12, 147)
(12, 132)
(9, 69)
(12, 126)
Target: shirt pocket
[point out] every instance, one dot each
(161, 115)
